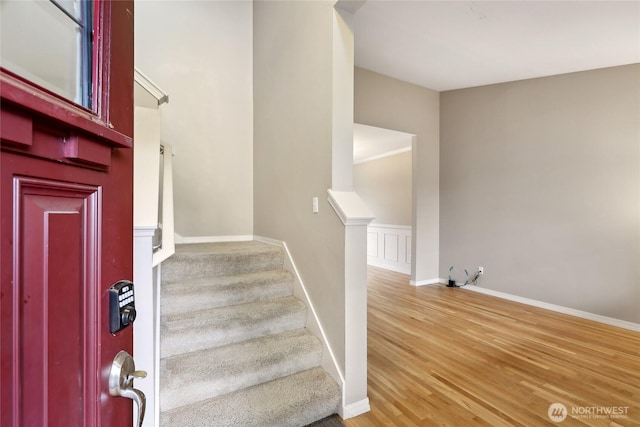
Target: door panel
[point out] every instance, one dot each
(54, 303)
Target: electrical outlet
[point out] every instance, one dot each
(481, 270)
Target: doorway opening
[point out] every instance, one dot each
(383, 177)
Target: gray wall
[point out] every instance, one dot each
(392, 104)
(540, 184)
(201, 54)
(385, 185)
(293, 150)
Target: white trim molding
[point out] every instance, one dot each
(558, 308)
(436, 281)
(350, 208)
(355, 409)
(144, 231)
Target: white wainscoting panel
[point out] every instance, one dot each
(389, 246)
(391, 243)
(372, 244)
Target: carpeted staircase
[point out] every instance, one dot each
(234, 349)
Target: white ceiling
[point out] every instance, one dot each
(445, 45)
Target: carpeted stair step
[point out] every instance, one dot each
(218, 291)
(198, 330)
(295, 400)
(205, 374)
(218, 259)
(233, 344)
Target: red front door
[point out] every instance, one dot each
(66, 236)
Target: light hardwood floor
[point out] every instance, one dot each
(443, 356)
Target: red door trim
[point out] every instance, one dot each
(40, 103)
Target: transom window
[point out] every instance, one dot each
(50, 43)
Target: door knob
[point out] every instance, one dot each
(123, 372)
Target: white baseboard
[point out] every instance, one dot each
(269, 241)
(436, 281)
(354, 409)
(558, 308)
(212, 239)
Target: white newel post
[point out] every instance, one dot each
(356, 216)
